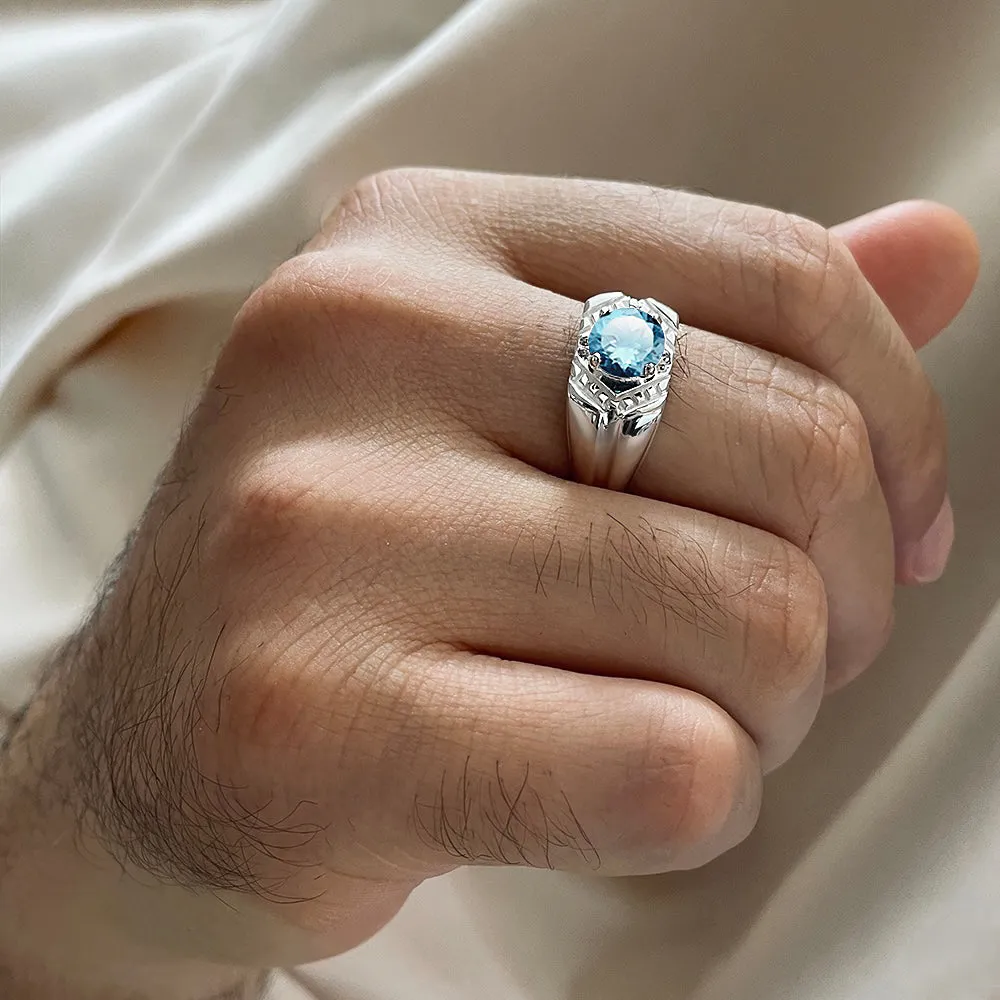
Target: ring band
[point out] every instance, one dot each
(618, 385)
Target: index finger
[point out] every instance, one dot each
(750, 273)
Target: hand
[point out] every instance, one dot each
(367, 631)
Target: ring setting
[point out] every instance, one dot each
(618, 385)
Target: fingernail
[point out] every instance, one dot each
(926, 560)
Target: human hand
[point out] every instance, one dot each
(367, 631)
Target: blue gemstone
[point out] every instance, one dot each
(627, 340)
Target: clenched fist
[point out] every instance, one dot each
(368, 630)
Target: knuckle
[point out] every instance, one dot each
(378, 196)
(388, 203)
(787, 625)
(822, 438)
(838, 457)
(274, 318)
(311, 307)
(265, 510)
(349, 269)
(693, 791)
(815, 276)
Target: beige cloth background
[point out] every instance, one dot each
(159, 159)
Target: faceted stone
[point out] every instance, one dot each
(627, 340)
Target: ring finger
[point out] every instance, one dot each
(746, 434)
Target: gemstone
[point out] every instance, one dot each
(627, 340)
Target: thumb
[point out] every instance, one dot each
(921, 258)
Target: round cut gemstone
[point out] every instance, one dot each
(627, 340)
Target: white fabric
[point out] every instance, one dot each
(158, 161)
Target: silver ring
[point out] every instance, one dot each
(618, 385)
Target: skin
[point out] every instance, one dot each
(367, 631)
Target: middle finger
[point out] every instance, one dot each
(746, 434)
